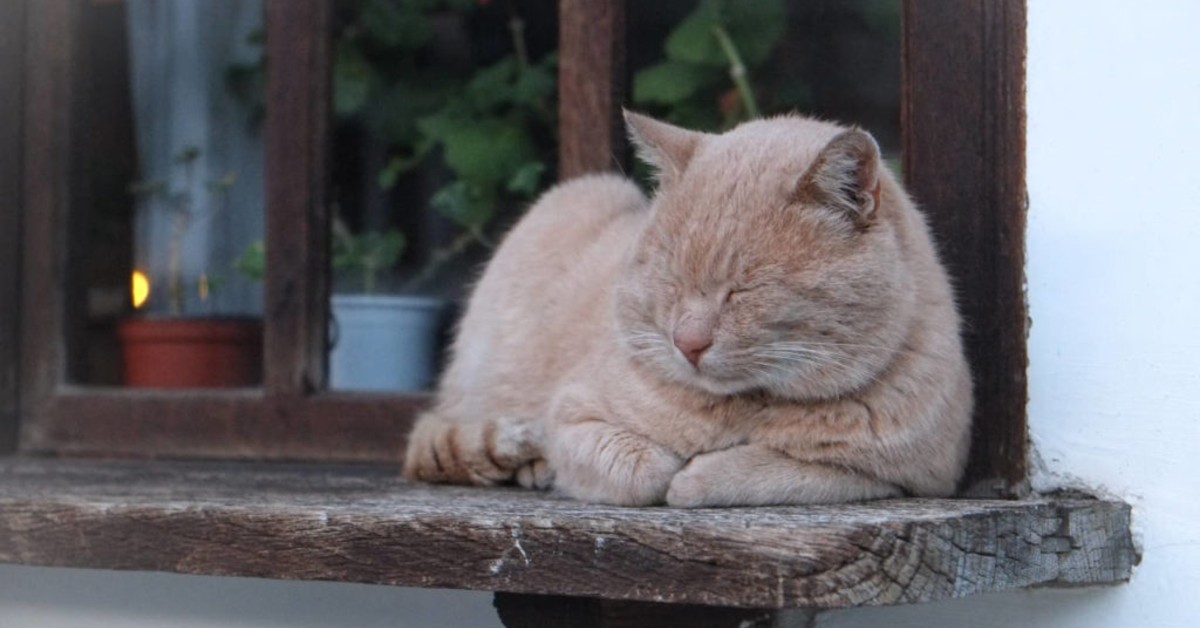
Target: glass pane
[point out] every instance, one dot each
(833, 60)
(168, 195)
(445, 122)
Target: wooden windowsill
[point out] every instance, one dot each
(364, 524)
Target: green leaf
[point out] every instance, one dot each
(381, 251)
(670, 82)
(692, 40)
(525, 181)
(493, 85)
(486, 151)
(437, 126)
(755, 28)
(253, 261)
(469, 206)
(396, 25)
(534, 85)
(398, 167)
(353, 79)
(393, 113)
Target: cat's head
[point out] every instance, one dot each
(771, 260)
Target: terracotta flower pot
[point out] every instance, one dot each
(191, 352)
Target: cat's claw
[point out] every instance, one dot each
(536, 475)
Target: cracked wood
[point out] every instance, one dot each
(364, 524)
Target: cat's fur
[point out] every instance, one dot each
(835, 371)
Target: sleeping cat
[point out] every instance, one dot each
(774, 327)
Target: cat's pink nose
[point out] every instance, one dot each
(693, 343)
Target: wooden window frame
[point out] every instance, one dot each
(963, 137)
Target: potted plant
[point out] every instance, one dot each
(164, 345)
(476, 138)
(379, 341)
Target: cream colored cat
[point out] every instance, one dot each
(773, 328)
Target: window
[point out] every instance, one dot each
(961, 141)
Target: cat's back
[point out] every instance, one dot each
(543, 297)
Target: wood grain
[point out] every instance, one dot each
(246, 425)
(591, 86)
(963, 127)
(364, 524)
(296, 310)
(46, 144)
(12, 77)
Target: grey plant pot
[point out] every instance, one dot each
(384, 342)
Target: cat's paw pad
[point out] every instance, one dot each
(536, 475)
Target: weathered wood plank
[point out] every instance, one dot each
(12, 77)
(364, 524)
(963, 109)
(591, 86)
(243, 424)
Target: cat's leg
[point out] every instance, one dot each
(483, 452)
(597, 461)
(753, 475)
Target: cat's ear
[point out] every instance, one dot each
(665, 147)
(845, 176)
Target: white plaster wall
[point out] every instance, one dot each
(33, 597)
(1114, 291)
(1114, 287)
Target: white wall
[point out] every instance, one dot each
(1114, 287)
(1114, 290)
(32, 597)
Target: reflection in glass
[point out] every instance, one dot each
(445, 114)
(169, 199)
(710, 64)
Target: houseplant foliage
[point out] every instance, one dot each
(477, 134)
(171, 347)
(487, 127)
(381, 342)
(705, 81)
(476, 131)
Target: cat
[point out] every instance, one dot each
(773, 328)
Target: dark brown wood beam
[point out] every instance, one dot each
(365, 524)
(296, 310)
(963, 109)
(591, 86)
(12, 77)
(51, 36)
(559, 611)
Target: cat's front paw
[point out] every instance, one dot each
(693, 486)
(536, 475)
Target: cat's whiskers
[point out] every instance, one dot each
(808, 357)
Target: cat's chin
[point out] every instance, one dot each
(795, 389)
(711, 383)
(718, 388)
